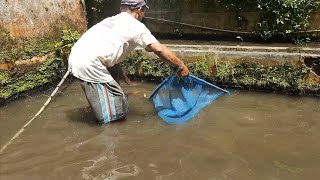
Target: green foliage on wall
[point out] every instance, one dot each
(26, 49)
(280, 78)
(14, 50)
(14, 84)
(200, 68)
(6, 41)
(4, 77)
(140, 66)
(67, 40)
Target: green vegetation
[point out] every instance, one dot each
(200, 68)
(12, 50)
(277, 17)
(67, 40)
(285, 78)
(26, 50)
(49, 71)
(284, 17)
(4, 77)
(13, 83)
(140, 66)
(282, 78)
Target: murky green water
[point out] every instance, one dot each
(243, 136)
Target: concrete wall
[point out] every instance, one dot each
(27, 18)
(201, 13)
(34, 18)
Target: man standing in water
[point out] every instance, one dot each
(103, 47)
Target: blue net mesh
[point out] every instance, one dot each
(177, 100)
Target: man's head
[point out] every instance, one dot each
(134, 4)
(134, 7)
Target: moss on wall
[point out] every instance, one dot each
(281, 78)
(13, 83)
(248, 75)
(22, 49)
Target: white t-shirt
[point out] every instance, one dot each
(106, 44)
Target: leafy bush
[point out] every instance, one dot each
(277, 17)
(279, 78)
(284, 17)
(68, 39)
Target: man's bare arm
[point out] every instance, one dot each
(168, 56)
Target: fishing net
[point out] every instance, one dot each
(177, 100)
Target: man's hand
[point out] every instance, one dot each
(167, 55)
(183, 71)
(124, 75)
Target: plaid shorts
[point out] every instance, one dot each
(107, 100)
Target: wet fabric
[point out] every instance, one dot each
(177, 100)
(107, 100)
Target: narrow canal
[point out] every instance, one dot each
(248, 135)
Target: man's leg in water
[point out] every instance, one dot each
(107, 100)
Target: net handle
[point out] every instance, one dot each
(159, 86)
(167, 79)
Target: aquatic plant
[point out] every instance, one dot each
(200, 68)
(249, 75)
(140, 66)
(281, 78)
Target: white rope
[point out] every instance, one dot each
(38, 113)
(197, 26)
(224, 30)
